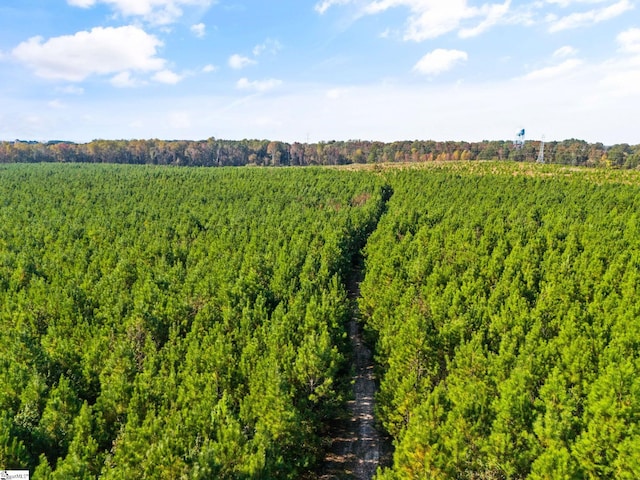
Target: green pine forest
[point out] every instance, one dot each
(162, 322)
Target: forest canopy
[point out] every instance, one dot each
(216, 152)
(162, 323)
(505, 310)
(165, 322)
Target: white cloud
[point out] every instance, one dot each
(590, 17)
(71, 90)
(439, 61)
(554, 71)
(623, 83)
(566, 51)
(566, 3)
(101, 51)
(622, 75)
(337, 93)
(629, 40)
(433, 18)
(124, 80)
(56, 104)
(238, 62)
(199, 30)
(269, 46)
(258, 85)
(160, 12)
(209, 68)
(429, 18)
(492, 14)
(322, 7)
(167, 76)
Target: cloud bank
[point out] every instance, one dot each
(100, 51)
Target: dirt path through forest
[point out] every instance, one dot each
(357, 447)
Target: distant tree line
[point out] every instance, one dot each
(216, 152)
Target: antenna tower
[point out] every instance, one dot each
(519, 141)
(541, 152)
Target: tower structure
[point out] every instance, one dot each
(519, 141)
(541, 151)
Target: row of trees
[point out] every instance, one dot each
(214, 152)
(505, 311)
(174, 323)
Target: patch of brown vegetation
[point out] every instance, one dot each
(360, 200)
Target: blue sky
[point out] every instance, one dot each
(320, 70)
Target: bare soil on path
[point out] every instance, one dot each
(357, 447)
